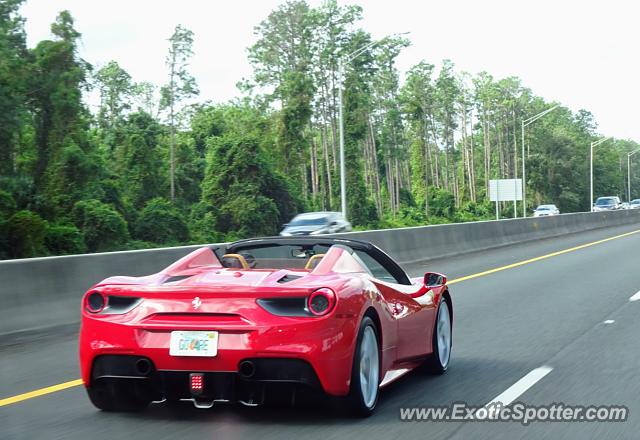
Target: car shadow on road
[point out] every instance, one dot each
(472, 380)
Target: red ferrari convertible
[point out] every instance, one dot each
(241, 323)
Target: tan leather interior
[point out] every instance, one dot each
(313, 261)
(232, 261)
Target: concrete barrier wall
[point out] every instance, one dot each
(43, 292)
(437, 241)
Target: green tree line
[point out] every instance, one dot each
(154, 166)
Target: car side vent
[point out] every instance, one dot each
(288, 277)
(176, 278)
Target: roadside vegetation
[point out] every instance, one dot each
(156, 166)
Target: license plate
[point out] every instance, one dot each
(184, 343)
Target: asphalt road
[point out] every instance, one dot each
(550, 312)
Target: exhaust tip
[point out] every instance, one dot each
(143, 367)
(247, 369)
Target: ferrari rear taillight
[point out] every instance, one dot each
(95, 302)
(321, 301)
(196, 383)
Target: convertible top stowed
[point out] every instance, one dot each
(309, 241)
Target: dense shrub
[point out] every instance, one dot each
(471, 211)
(64, 240)
(4, 240)
(26, 232)
(202, 225)
(161, 222)
(7, 204)
(441, 203)
(103, 227)
(242, 191)
(139, 244)
(250, 214)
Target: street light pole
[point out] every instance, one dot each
(343, 185)
(593, 145)
(524, 171)
(341, 72)
(629, 173)
(524, 168)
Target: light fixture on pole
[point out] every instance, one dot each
(629, 173)
(593, 145)
(342, 63)
(526, 122)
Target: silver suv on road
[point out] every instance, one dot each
(312, 223)
(609, 203)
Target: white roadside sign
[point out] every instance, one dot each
(505, 190)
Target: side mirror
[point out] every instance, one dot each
(333, 223)
(434, 279)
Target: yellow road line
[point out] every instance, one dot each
(542, 257)
(78, 382)
(40, 392)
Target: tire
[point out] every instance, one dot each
(120, 396)
(438, 361)
(365, 372)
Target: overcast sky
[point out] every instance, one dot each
(584, 54)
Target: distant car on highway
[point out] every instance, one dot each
(260, 320)
(312, 223)
(634, 204)
(546, 210)
(608, 203)
(625, 205)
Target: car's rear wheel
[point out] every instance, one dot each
(365, 373)
(438, 361)
(118, 395)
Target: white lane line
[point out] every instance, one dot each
(635, 297)
(517, 389)
(608, 321)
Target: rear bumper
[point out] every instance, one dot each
(324, 346)
(253, 388)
